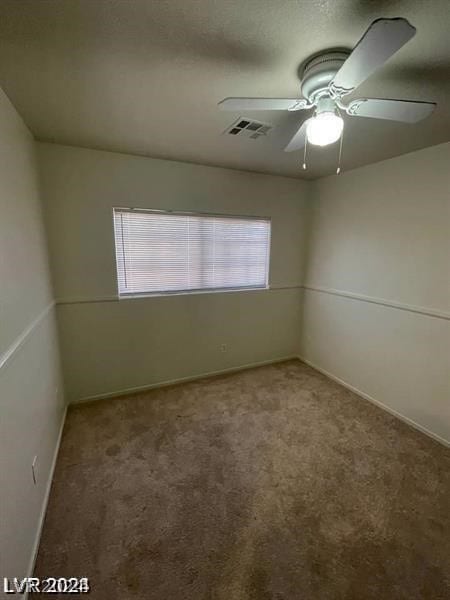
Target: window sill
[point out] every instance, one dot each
(191, 293)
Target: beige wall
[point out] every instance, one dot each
(374, 313)
(377, 304)
(31, 396)
(109, 346)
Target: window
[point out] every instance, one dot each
(164, 252)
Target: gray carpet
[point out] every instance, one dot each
(274, 483)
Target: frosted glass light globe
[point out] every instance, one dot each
(325, 128)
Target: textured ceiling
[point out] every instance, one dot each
(145, 76)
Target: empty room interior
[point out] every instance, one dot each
(225, 299)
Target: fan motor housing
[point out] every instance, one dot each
(319, 72)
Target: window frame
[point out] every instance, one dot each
(190, 291)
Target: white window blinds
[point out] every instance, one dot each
(159, 252)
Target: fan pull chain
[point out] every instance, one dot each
(304, 153)
(338, 170)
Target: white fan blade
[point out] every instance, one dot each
(383, 38)
(406, 111)
(298, 141)
(244, 104)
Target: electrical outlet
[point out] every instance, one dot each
(34, 465)
(223, 347)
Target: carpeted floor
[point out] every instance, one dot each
(270, 484)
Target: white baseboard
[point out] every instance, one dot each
(355, 390)
(388, 409)
(160, 384)
(37, 539)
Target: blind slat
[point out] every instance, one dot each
(158, 252)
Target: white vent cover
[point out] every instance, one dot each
(248, 128)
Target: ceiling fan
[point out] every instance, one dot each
(330, 76)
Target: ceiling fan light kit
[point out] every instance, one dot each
(330, 76)
(324, 129)
(326, 126)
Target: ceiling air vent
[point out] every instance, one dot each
(248, 129)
